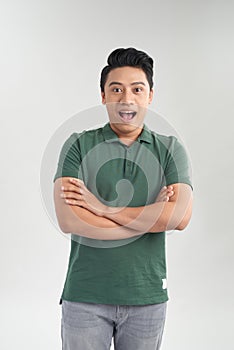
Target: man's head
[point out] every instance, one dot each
(126, 89)
(128, 57)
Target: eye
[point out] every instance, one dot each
(138, 89)
(117, 90)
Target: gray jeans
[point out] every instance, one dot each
(88, 326)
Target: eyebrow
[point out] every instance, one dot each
(118, 83)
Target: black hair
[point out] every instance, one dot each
(128, 57)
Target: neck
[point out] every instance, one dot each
(127, 136)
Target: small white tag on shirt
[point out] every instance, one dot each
(164, 283)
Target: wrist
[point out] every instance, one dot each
(102, 212)
(106, 211)
(111, 212)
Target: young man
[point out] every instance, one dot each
(141, 189)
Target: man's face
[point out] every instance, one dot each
(126, 95)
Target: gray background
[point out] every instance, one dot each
(51, 56)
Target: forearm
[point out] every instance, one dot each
(79, 221)
(156, 217)
(150, 218)
(86, 224)
(83, 212)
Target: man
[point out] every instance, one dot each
(120, 183)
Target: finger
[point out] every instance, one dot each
(73, 202)
(162, 198)
(170, 193)
(165, 193)
(71, 188)
(71, 195)
(78, 203)
(162, 192)
(166, 190)
(76, 182)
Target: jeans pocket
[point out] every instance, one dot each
(78, 315)
(147, 322)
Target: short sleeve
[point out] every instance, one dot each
(178, 168)
(69, 158)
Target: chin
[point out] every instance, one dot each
(126, 127)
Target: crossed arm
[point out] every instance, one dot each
(80, 212)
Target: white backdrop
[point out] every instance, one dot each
(52, 53)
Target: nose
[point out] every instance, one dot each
(127, 97)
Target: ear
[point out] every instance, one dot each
(151, 94)
(103, 98)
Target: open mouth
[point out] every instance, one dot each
(127, 115)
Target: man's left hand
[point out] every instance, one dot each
(76, 193)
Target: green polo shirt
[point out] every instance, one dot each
(132, 271)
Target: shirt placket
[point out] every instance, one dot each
(128, 163)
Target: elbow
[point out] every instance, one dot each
(64, 227)
(185, 219)
(66, 231)
(182, 225)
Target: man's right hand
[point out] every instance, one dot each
(165, 194)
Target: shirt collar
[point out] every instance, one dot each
(110, 136)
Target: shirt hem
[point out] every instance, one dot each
(81, 299)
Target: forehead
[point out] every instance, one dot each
(126, 75)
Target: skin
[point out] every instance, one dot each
(75, 218)
(127, 88)
(172, 209)
(78, 210)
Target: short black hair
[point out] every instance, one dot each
(128, 57)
